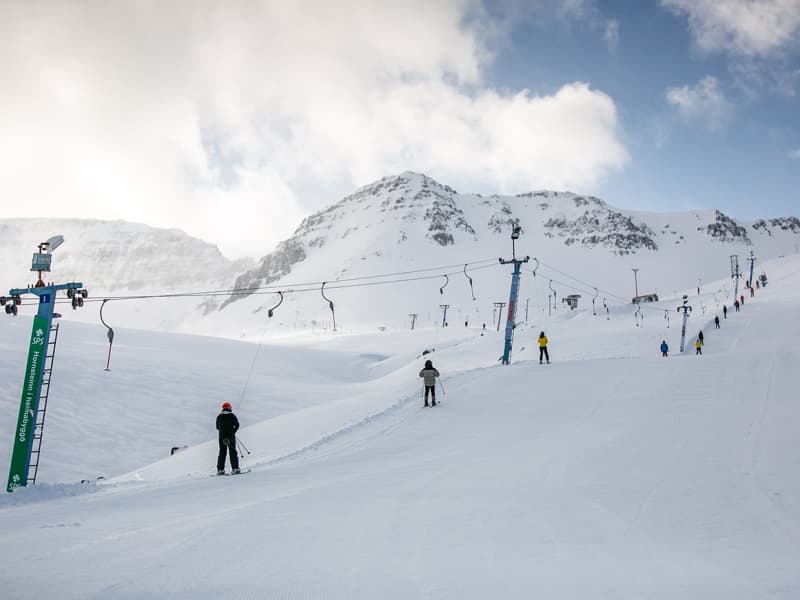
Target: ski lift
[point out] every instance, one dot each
(77, 296)
(330, 303)
(471, 289)
(596, 293)
(271, 311)
(110, 334)
(666, 316)
(446, 281)
(536, 267)
(554, 294)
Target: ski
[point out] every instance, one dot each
(226, 474)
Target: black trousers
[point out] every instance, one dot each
(225, 445)
(432, 390)
(543, 352)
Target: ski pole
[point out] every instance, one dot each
(439, 379)
(238, 441)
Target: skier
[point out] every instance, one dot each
(716, 321)
(758, 283)
(724, 311)
(752, 292)
(742, 299)
(700, 337)
(736, 305)
(698, 346)
(227, 425)
(664, 348)
(543, 348)
(429, 375)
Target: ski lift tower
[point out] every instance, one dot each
(514, 294)
(41, 349)
(735, 274)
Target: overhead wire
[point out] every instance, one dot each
(310, 286)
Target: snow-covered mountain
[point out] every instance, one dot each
(113, 256)
(411, 221)
(398, 224)
(117, 258)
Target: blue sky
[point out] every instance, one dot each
(222, 118)
(741, 164)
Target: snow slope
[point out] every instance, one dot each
(611, 473)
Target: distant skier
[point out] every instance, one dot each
(724, 311)
(716, 322)
(543, 348)
(700, 337)
(742, 299)
(758, 283)
(698, 346)
(227, 425)
(429, 375)
(752, 292)
(736, 305)
(664, 348)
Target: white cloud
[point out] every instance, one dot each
(611, 35)
(743, 27)
(704, 102)
(795, 154)
(205, 117)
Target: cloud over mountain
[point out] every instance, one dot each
(233, 123)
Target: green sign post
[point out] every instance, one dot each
(25, 433)
(26, 422)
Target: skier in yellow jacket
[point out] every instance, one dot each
(543, 348)
(698, 346)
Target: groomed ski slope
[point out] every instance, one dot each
(612, 473)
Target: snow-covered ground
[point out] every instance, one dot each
(612, 473)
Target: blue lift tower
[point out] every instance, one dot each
(512, 299)
(41, 350)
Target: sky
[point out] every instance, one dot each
(233, 121)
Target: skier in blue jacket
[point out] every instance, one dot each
(664, 348)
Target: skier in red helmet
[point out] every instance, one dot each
(227, 425)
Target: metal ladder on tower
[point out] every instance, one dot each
(41, 412)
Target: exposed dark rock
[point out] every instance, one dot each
(725, 229)
(273, 267)
(603, 227)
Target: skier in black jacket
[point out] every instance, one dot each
(227, 425)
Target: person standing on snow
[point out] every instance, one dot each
(664, 348)
(724, 311)
(227, 425)
(698, 347)
(700, 337)
(543, 348)
(736, 305)
(716, 322)
(429, 375)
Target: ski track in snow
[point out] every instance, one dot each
(612, 473)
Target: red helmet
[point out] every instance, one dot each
(226, 406)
